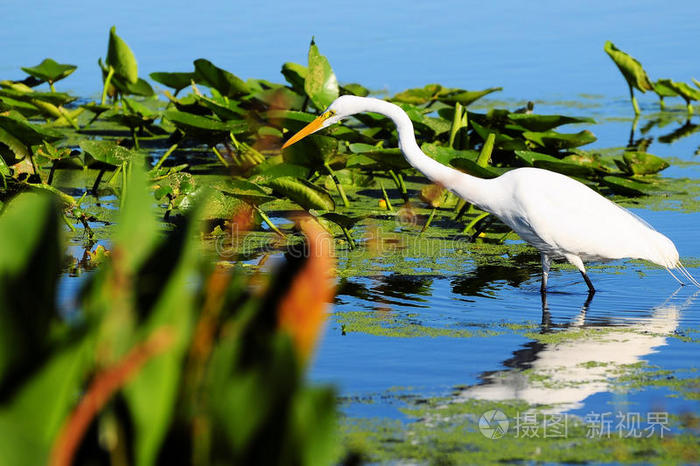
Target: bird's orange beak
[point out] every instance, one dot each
(308, 129)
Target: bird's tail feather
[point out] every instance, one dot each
(683, 271)
(687, 274)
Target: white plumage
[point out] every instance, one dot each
(561, 217)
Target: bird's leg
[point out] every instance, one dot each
(546, 316)
(578, 263)
(591, 290)
(546, 262)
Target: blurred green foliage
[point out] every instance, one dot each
(169, 358)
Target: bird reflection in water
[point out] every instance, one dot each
(565, 373)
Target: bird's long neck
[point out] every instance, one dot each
(472, 189)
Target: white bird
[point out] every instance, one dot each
(561, 217)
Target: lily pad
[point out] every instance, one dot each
(107, 152)
(473, 168)
(26, 132)
(502, 141)
(121, 58)
(445, 155)
(295, 74)
(643, 163)
(49, 70)
(557, 141)
(547, 162)
(344, 221)
(191, 123)
(140, 87)
(226, 83)
(246, 191)
(354, 89)
(624, 186)
(662, 88)
(533, 122)
(286, 117)
(54, 98)
(630, 68)
(264, 173)
(468, 97)
(177, 81)
(390, 159)
(311, 151)
(682, 89)
(420, 95)
(320, 84)
(307, 195)
(18, 149)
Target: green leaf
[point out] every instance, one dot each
(65, 199)
(30, 262)
(317, 439)
(533, 122)
(50, 152)
(16, 146)
(264, 172)
(140, 87)
(682, 89)
(177, 81)
(445, 155)
(289, 118)
(422, 122)
(197, 124)
(420, 95)
(295, 74)
(624, 186)
(136, 107)
(344, 221)
(503, 141)
(121, 58)
(320, 84)
(307, 195)
(137, 229)
(467, 97)
(29, 425)
(630, 68)
(557, 141)
(107, 152)
(228, 84)
(49, 70)
(223, 108)
(55, 98)
(662, 88)
(152, 394)
(311, 151)
(354, 89)
(245, 190)
(587, 159)
(4, 170)
(642, 163)
(29, 134)
(96, 108)
(547, 162)
(473, 168)
(390, 159)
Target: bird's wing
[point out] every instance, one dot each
(571, 218)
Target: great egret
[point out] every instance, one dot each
(562, 218)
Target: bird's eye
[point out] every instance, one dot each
(329, 114)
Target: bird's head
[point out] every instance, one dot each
(342, 107)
